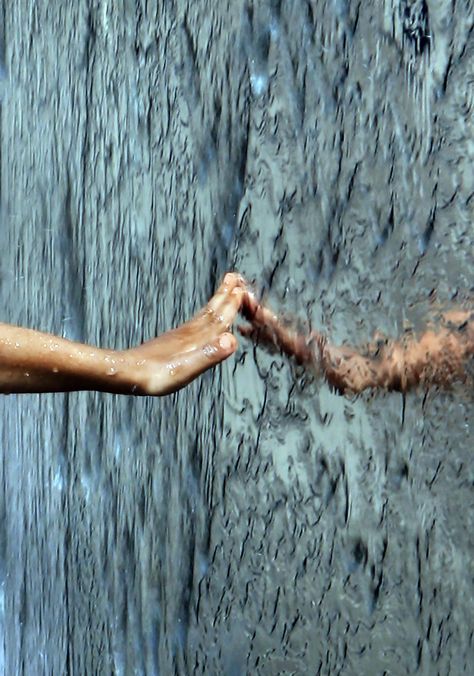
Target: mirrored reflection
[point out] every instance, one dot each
(257, 522)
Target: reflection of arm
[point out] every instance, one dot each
(437, 357)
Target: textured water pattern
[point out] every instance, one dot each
(255, 523)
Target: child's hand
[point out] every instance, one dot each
(171, 361)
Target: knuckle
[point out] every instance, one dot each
(229, 278)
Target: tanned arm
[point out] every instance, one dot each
(31, 361)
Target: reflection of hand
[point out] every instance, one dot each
(171, 361)
(267, 329)
(439, 357)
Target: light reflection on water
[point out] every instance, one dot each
(254, 523)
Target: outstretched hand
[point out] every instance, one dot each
(32, 361)
(175, 358)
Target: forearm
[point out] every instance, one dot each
(32, 361)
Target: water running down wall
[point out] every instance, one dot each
(254, 523)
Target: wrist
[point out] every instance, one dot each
(132, 374)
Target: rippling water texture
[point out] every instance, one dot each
(255, 523)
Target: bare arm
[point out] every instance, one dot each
(31, 361)
(439, 357)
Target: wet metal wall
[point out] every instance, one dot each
(255, 523)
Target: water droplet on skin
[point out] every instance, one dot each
(27, 374)
(55, 370)
(172, 367)
(209, 350)
(17, 345)
(112, 371)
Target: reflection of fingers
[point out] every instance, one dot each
(250, 305)
(257, 334)
(289, 342)
(260, 316)
(246, 330)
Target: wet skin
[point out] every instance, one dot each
(31, 361)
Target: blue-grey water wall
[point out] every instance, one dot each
(255, 523)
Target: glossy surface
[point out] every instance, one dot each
(255, 522)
